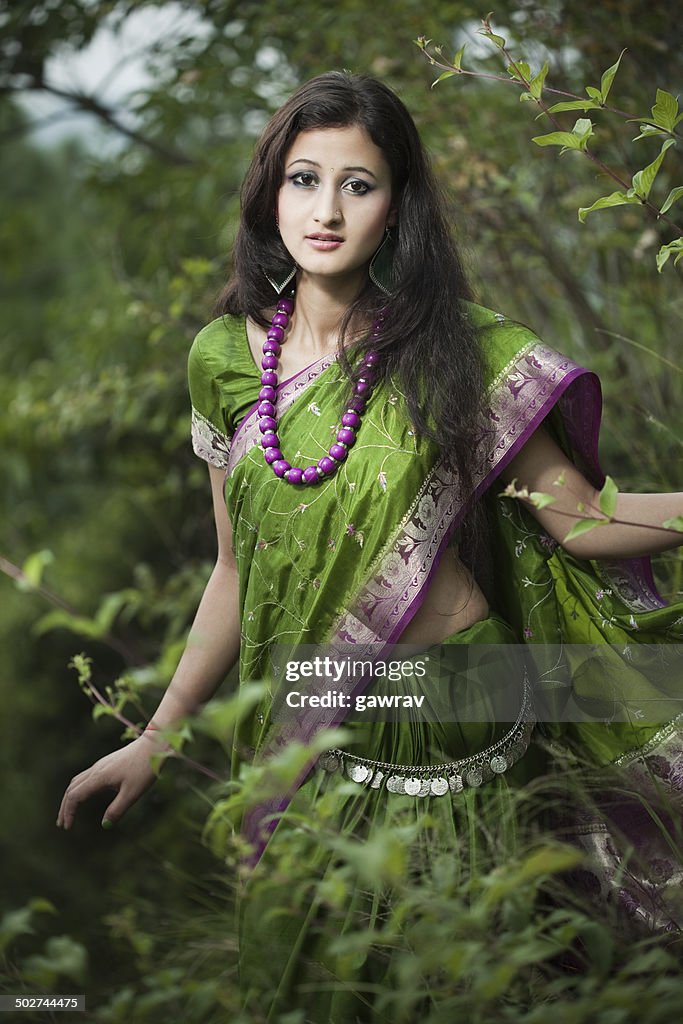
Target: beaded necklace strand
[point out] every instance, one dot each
(346, 435)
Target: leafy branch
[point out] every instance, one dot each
(28, 578)
(607, 505)
(113, 704)
(662, 123)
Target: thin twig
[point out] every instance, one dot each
(19, 576)
(92, 691)
(595, 508)
(643, 348)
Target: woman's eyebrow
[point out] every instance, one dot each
(314, 163)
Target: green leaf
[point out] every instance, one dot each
(496, 40)
(520, 70)
(673, 197)
(583, 128)
(457, 60)
(13, 923)
(537, 82)
(608, 497)
(441, 78)
(614, 199)
(111, 605)
(515, 877)
(20, 922)
(573, 105)
(577, 138)
(58, 618)
(220, 718)
(594, 94)
(665, 110)
(647, 131)
(674, 524)
(540, 499)
(583, 526)
(608, 78)
(675, 247)
(647, 962)
(599, 946)
(40, 905)
(566, 139)
(63, 958)
(643, 180)
(33, 569)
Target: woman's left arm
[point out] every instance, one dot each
(636, 528)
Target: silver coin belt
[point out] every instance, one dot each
(439, 779)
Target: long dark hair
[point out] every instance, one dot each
(427, 342)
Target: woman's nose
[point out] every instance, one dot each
(327, 209)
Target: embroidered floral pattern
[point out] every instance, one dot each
(208, 442)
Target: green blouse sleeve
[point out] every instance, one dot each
(223, 381)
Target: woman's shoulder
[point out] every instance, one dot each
(222, 376)
(493, 325)
(220, 344)
(500, 337)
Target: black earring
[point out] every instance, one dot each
(280, 286)
(381, 270)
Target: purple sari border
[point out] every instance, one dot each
(530, 428)
(581, 413)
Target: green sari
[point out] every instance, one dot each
(348, 563)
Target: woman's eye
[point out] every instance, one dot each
(306, 178)
(357, 187)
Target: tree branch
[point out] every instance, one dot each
(91, 105)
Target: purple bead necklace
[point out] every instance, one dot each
(346, 435)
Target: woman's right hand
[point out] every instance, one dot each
(127, 770)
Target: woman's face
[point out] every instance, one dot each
(335, 202)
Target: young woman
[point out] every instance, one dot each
(355, 408)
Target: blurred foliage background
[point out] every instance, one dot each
(115, 240)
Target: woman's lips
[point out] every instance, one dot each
(324, 243)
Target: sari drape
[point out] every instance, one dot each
(349, 562)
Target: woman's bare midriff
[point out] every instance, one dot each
(453, 603)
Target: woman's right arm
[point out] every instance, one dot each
(212, 649)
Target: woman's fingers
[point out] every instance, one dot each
(125, 797)
(128, 771)
(80, 788)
